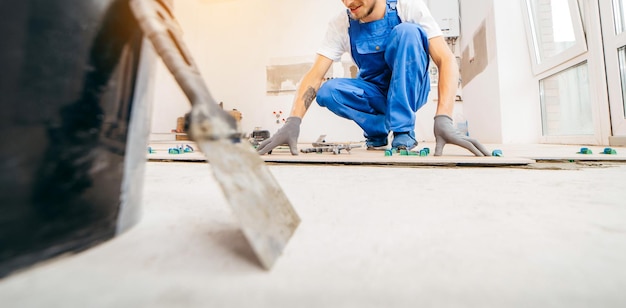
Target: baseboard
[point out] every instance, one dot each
(619, 141)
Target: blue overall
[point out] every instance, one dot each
(393, 80)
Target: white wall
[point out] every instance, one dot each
(481, 96)
(502, 103)
(519, 90)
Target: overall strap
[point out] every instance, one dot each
(392, 13)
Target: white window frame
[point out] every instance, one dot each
(613, 42)
(540, 66)
(594, 55)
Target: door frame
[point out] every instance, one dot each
(611, 43)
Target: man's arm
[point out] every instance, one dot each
(444, 129)
(448, 74)
(310, 84)
(306, 93)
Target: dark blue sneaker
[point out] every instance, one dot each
(404, 141)
(376, 144)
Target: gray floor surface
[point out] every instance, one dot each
(547, 235)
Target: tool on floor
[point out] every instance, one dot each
(585, 151)
(259, 136)
(267, 218)
(321, 146)
(180, 149)
(496, 153)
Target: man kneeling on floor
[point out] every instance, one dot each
(390, 41)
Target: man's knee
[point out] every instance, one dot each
(409, 32)
(406, 28)
(327, 92)
(407, 37)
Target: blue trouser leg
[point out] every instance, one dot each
(373, 110)
(356, 100)
(407, 55)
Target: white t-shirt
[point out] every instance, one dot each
(337, 40)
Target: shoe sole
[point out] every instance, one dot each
(379, 148)
(404, 147)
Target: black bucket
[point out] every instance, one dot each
(73, 126)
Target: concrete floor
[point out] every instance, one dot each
(546, 235)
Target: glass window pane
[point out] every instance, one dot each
(566, 103)
(620, 13)
(553, 27)
(622, 69)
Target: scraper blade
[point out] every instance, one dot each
(266, 216)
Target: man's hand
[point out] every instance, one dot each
(446, 133)
(288, 134)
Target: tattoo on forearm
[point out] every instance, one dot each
(308, 97)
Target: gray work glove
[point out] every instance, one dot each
(446, 133)
(288, 134)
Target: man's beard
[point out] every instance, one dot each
(368, 13)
